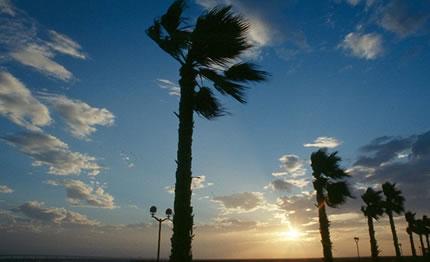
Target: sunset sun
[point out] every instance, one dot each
(291, 234)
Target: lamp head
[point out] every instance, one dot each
(169, 212)
(153, 210)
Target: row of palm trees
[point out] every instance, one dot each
(421, 227)
(332, 190)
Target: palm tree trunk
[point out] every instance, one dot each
(411, 239)
(393, 231)
(183, 211)
(422, 245)
(373, 244)
(324, 229)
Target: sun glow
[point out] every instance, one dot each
(291, 234)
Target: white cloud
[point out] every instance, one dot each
(5, 189)
(324, 141)
(78, 191)
(241, 202)
(23, 40)
(18, 104)
(47, 150)
(172, 88)
(37, 211)
(367, 46)
(290, 165)
(65, 45)
(80, 117)
(40, 58)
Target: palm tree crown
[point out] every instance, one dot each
(212, 49)
(394, 202)
(374, 204)
(328, 178)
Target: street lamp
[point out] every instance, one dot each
(356, 239)
(169, 213)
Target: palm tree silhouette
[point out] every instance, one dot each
(426, 222)
(373, 210)
(331, 190)
(394, 203)
(420, 229)
(410, 218)
(209, 51)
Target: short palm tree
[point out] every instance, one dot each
(393, 204)
(420, 230)
(331, 190)
(373, 209)
(208, 53)
(426, 222)
(410, 218)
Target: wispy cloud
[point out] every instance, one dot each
(65, 45)
(290, 165)
(367, 46)
(80, 117)
(324, 141)
(172, 88)
(37, 211)
(243, 202)
(5, 189)
(77, 192)
(19, 105)
(22, 40)
(47, 150)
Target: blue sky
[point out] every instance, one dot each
(88, 133)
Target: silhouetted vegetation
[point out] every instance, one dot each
(410, 218)
(393, 204)
(208, 51)
(331, 190)
(373, 210)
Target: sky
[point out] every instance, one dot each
(88, 132)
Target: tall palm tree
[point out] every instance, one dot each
(373, 210)
(410, 218)
(420, 229)
(331, 190)
(208, 51)
(393, 204)
(426, 222)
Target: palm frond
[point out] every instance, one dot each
(206, 104)
(245, 72)
(337, 193)
(219, 37)
(225, 86)
(173, 17)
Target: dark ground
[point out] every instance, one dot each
(99, 259)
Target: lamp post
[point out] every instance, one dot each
(169, 212)
(356, 239)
